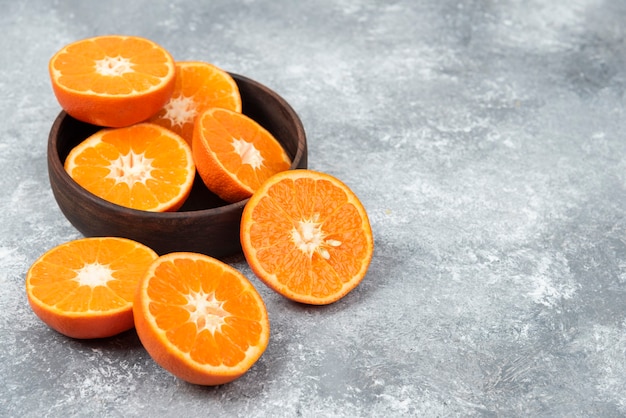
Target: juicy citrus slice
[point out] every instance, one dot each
(85, 288)
(307, 236)
(143, 166)
(112, 80)
(200, 319)
(199, 86)
(234, 155)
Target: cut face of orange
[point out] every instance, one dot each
(307, 236)
(85, 288)
(199, 86)
(113, 80)
(200, 319)
(143, 166)
(234, 155)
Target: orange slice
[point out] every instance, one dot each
(199, 86)
(200, 319)
(112, 80)
(143, 166)
(307, 236)
(85, 288)
(234, 155)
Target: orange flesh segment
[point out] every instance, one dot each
(243, 153)
(215, 338)
(55, 279)
(143, 167)
(200, 319)
(85, 288)
(306, 237)
(199, 86)
(140, 66)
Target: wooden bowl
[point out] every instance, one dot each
(205, 223)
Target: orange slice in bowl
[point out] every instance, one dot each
(112, 80)
(85, 288)
(234, 155)
(143, 166)
(199, 86)
(200, 318)
(307, 236)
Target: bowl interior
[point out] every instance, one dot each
(205, 223)
(72, 131)
(258, 102)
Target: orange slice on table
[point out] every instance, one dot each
(85, 288)
(199, 86)
(307, 236)
(143, 166)
(234, 154)
(200, 319)
(112, 80)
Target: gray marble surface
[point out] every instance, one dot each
(484, 137)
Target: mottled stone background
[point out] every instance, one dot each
(486, 140)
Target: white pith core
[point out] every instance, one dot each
(180, 110)
(248, 152)
(113, 66)
(309, 237)
(206, 311)
(93, 275)
(131, 168)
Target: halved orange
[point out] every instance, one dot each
(112, 80)
(143, 166)
(199, 86)
(200, 318)
(85, 288)
(234, 154)
(307, 236)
